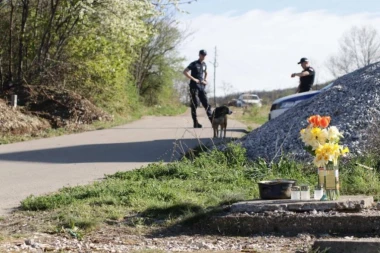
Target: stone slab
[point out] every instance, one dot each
(347, 246)
(345, 203)
(334, 223)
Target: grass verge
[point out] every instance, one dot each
(166, 193)
(252, 115)
(169, 193)
(165, 110)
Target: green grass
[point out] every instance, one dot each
(165, 110)
(254, 115)
(10, 138)
(171, 193)
(357, 180)
(185, 190)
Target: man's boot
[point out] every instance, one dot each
(197, 125)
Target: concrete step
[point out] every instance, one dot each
(347, 246)
(292, 223)
(345, 203)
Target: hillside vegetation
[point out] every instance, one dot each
(75, 62)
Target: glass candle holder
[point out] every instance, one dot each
(295, 193)
(305, 192)
(318, 193)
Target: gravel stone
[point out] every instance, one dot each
(353, 103)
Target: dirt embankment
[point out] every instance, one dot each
(13, 121)
(41, 107)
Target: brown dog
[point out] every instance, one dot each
(219, 118)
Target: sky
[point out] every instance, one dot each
(259, 42)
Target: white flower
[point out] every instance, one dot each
(323, 136)
(333, 134)
(308, 138)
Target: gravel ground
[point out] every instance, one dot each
(353, 103)
(47, 243)
(21, 232)
(119, 238)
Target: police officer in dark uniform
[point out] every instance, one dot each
(307, 76)
(198, 81)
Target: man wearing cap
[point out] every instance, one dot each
(198, 81)
(307, 76)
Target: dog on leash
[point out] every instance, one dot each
(219, 118)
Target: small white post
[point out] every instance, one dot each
(14, 101)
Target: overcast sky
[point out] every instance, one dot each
(260, 42)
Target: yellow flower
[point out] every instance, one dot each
(315, 131)
(323, 141)
(345, 151)
(328, 152)
(321, 160)
(314, 136)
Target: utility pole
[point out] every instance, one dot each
(215, 64)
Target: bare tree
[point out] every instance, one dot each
(10, 63)
(25, 14)
(226, 87)
(359, 47)
(181, 85)
(37, 30)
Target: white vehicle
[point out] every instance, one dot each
(251, 99)
(279, 106)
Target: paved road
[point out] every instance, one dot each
(43, 166)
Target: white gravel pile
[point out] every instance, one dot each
(353, 103)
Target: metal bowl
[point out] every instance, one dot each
(276, 189)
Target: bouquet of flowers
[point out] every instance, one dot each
(322, 141)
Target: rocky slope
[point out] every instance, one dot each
(353, 103)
